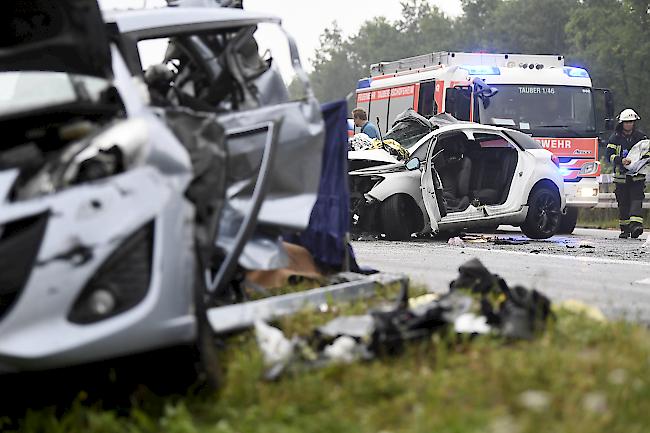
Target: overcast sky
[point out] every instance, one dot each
(306, 20)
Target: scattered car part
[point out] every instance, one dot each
(456, 242)
(360, 141)
(510, 241)
(513, 313)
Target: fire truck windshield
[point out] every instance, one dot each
(530, 107)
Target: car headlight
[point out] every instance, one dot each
(590, 168)
(112, 151)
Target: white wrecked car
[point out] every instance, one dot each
(461, 175)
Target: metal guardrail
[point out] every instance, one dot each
(230, 318)
(607, 200)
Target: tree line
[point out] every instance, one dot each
(610, 38)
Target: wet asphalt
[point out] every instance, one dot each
(592, 266)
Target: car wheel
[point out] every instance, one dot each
(568, 221)
(544, 212)
(396, 216)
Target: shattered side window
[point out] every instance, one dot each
(227, 70)
(188, 70)
(273, 44)
(152, 52)
(158, 70)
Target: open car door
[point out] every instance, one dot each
(431, 188)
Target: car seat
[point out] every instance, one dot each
(493, 176)
(455, 176)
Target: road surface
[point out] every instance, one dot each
(591, 265)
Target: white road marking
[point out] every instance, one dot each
(562, 256)
(646, 281)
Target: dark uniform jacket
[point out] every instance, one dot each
(618, 144)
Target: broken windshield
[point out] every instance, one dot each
(24, 91)
(407, 133)
(530, 107)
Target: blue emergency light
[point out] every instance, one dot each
(481, 70)
(363, 83)
(576, 72)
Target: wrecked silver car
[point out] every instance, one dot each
(129, 196)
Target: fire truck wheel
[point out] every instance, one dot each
(568, 221)
(543, 218)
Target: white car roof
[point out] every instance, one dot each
(141, 20)
(460, 126)
(464, 126)
(468, 125)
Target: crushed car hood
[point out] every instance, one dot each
(56, 36)
(415, 119)
(411, 116)
(444, 119)
(372, 155)
(381, 169)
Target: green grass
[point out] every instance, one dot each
(605, 218)
(587, 376)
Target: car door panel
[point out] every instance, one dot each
(428, 187)
(505, 176)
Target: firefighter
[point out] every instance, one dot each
(629, 189)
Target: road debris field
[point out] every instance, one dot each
(398, 349)
(591, 265)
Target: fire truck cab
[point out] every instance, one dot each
(536, 94)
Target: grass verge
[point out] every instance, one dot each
(605, 218)
(581, 376)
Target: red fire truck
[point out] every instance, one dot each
(536, 94)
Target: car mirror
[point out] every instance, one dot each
(413, 164)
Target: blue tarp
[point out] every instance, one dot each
(325, 238)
